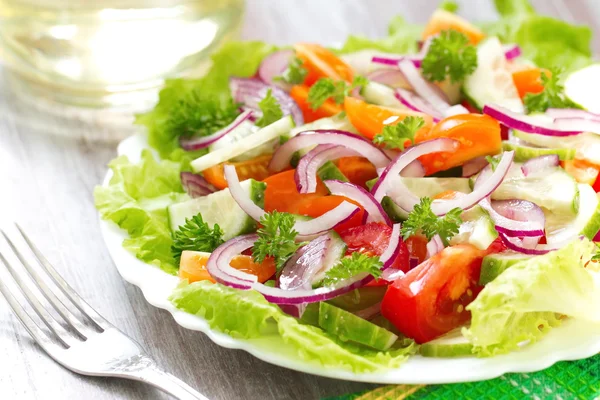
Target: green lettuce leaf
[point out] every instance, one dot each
(233, 59)
(402, 38)
(527, 299)
(546, 41)
(246, 314)
(136, 200)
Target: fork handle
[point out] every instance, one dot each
(168, 383)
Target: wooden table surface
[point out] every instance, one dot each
(46, 183)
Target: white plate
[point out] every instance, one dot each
(573, 340)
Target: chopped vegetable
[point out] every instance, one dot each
(196, 235)
(326, 88)
(449, 55)
(529, 80)
(395, 136)
(328, 108)
(193, 266)
(276, 238)
(422, 220)
(255, 168)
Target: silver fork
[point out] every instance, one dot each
(86, 343)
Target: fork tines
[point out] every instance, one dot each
(67, 317)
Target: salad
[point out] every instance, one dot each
(433, 192)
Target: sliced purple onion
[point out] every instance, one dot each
(512, 51)
(393, 61)
(373, 210)
(560, 113)
(417, 103)
(195, 185)
(369, 312)
(413, 170)
(205, 141)
(389, 77)
(434, 246)
(578, 124)
(473, 166)
(457, 109)
(309, 264)
(524, 123)
(250, 91)
(218, 263)
(274, 65)
(387, 177)
(283, 155)
(306, 171)
(305, 229)
(239, 194)
(300, 296)
(516, 218)
(539, 164)
(407, 200)
(422, 87)
(517, 245)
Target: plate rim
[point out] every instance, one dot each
(479, 369)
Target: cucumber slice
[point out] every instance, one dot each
(524, 153)
(348, 326)
(556, 191)
(586, 145)
(245, 129)
(587, 221)
(360, 298)
(477, 229)
(244, 145)
(310, 315)
(495, 264)
(492, 82)
(381, 95)
(582, 86)
(429, 187)
(221, 208)
(452, 344)
(395, 213)
(338, 121)
(330, 171)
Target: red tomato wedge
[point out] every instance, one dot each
(358, 170)
(442, 20)
(322, 63)
(317, 206)
(529, 80)
(256, 168)
(300, 95)
(430, 300)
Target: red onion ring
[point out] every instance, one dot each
(473, 166)
(434, 246)
(406, 200)
(306, 171)
(516, 218)
(422, 87)
(250, 91)
(578, 124)
(275, 65)
(516, 244)
(561, 113)
(369, 312)
(218, 263)
(195, 185)
(417, 103)
(305, 229)
(512, 51)
(279, 296)
(282, 156)
(205, 141)
(413, 170)
(393, 61)
(457, 109)
(394, 168)
(373, 210)
(539, 164)
(526, 124)
(389, 77)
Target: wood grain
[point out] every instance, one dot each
(46, 183)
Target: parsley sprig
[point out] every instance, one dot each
(200, 115)
(551, 97)
(351, 266)
(271, 110)
(327, 88)
(450, 55)
(196, 235)
(276, 238)
(395, 136)
(295, 73)
(422, 220)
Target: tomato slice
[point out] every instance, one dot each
(478, 135)
(373, 239)
(193, 267)
(369, 119)
(430, 300)
(300, 95)
(442, 20)
(282, 194)
(317, 206)
(529, 80)
(358, 170)
(582, 171)
(256, 168)
(322, 63)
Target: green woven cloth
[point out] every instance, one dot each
(564, 380)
